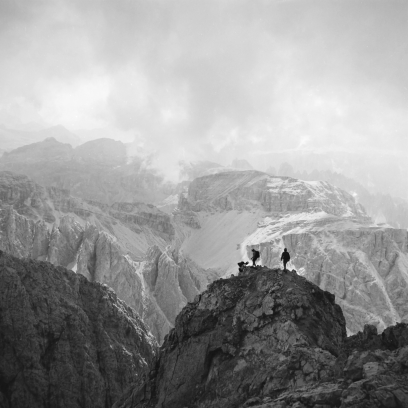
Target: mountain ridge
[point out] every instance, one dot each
(127, 246)
(269, 338)
(218, 221)
(330, 237)
(65, 341)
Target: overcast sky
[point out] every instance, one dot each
(212, 79)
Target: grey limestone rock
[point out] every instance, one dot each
(259, 333)
(268, 339)
(331, 239)
(65, 341)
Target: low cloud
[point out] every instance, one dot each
(213, 80)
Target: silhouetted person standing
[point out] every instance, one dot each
(285, 257)
(255, 256)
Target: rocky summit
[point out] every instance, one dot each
(272, 339)
(331, 240)
(65, 341)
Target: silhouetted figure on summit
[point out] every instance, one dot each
(255, 256)
(285, 257)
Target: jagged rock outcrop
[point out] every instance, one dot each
(273, 340)
(65, 341)
(239, 337)
(330, 238)
(137, 226)
(107, 244)
(121, 245)
(99, 256)
(141, 214)
(171, 280)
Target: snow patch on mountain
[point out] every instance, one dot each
(331, 239)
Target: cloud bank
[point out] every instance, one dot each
(213, 79)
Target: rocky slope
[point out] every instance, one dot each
(127, 246)
(272, 339)
(157, 262)
(331, 239)
(64, 341)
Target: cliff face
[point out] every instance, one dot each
(331, 240)
(65, 341)
(252, 189)
(272, 340)
(107, 244)
(157, 262)
(367, 269)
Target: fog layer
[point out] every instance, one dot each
(213, 80)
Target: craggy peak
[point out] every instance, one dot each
(65, 341)
(203, 204)
(269, 338)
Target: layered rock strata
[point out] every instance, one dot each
(244, 190)
(64, 341)
(331, 239)
(126, 246)
(273, 340)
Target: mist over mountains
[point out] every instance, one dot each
(147, 148)
(119, 167)
(115, 219)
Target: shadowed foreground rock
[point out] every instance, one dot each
(271, 339)
(64, 341)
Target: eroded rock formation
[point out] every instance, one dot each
(331, 239)
(65, 341)
(271, 339)
(222, 217)
(105, 243)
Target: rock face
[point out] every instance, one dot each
(366, 267)
(157, 262)
(271, 339)
(253, 189)
(238, 339)
(64, 341)
(331, 239)
(125, 245)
